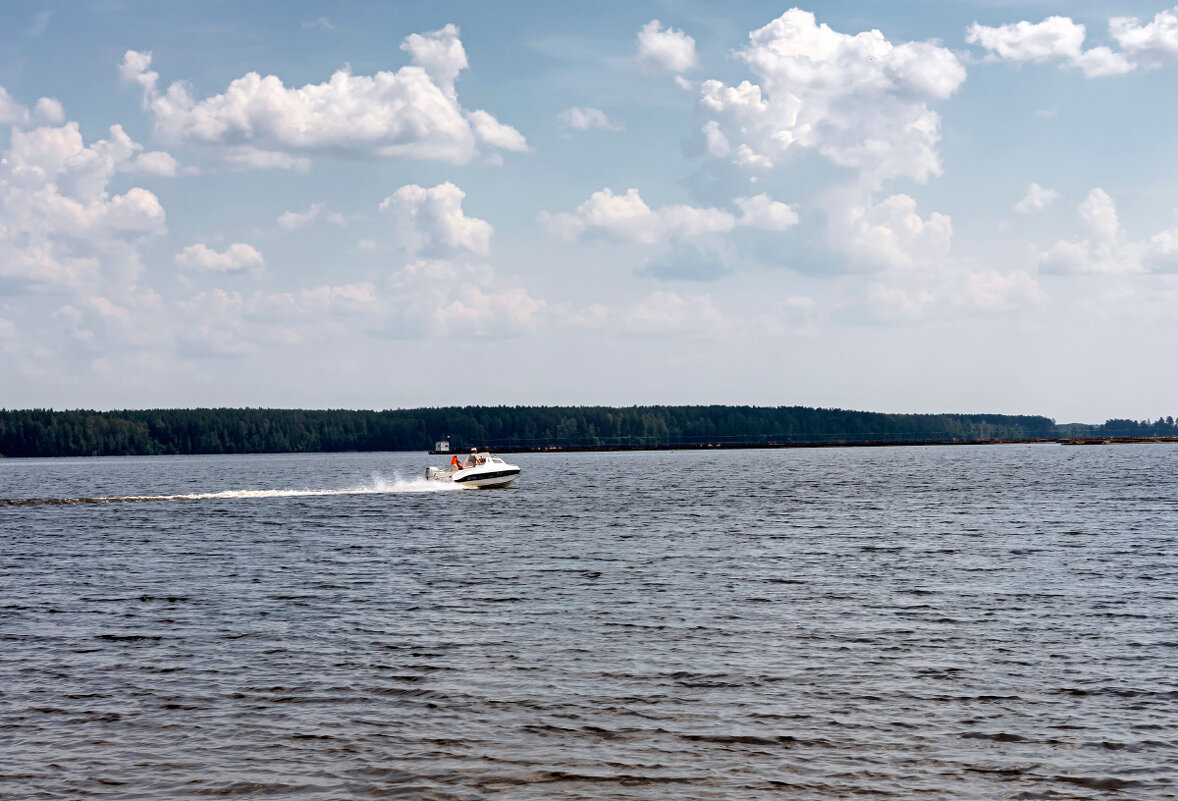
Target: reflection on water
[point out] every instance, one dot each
(969, 622)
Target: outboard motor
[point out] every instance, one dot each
(431, 472)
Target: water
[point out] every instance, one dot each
(964, 622)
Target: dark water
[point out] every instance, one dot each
(967, 623)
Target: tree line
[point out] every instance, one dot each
(45, 432)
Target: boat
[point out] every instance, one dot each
(487, 471)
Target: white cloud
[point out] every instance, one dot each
(1099, 214)
(258, 122)
(319, 22)
(859, 100)
(291, 220)
(59, 224)
(1055, 38)
(1100, 62)
(670, 313)
(1105, 250)
(627, 218)
(431, 222)
(237, 258)
(664, 50)
(1037, 199)
(158, 163)
(889, 234)
(47, 111)
(762, 211)
(210, 324)
(991, 291)
(584, 119)
(496, 134)
(440, 298)
(1153, 42)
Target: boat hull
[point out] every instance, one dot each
(482, 477)
(486, 480)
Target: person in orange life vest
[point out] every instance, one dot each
(455, 463)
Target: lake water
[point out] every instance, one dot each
(953, 622)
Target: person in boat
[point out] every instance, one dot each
(474, 459)
(455, 463)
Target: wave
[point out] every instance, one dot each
(379, 485)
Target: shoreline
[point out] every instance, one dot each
(810, 444)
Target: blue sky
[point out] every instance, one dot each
(896, 206)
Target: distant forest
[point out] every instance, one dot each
(44, 432)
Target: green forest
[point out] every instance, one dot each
(45, 432)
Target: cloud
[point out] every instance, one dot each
(319, 22)
(158, 163)
(1105, 250)
(1154, 42)
(664, 50)
(585, 119)
(260, 123)
(431, 223)
(60, 226)
(1037, 199)
(442, 298)
(889, 234)
(237, 258)
(291, 220)
(671, 313)
(47, 111)
(991, 291)
(762, 211)
(685, 263)
(226, 324)
(40, 24)
(858, 100)
(627, 218)
(1053, 39)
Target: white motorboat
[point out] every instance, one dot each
(480, 471)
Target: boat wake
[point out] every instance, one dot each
(378, 486)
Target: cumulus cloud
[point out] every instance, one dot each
(291, 220)
(237, 258)
(1153, 42)
(585, 119)
(859, 100)
(888, 234)
(443, 297)
(259, 122)
(1053, 39)
(627, 218)
(431, 223)
(1105, 249)
(60, 226)
(46, 111)
(1037, 199)
(762, 211)
(666, 50)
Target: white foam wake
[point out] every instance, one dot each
(378, 486)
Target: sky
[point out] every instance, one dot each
(893, 206)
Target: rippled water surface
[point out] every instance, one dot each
(955, 622)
